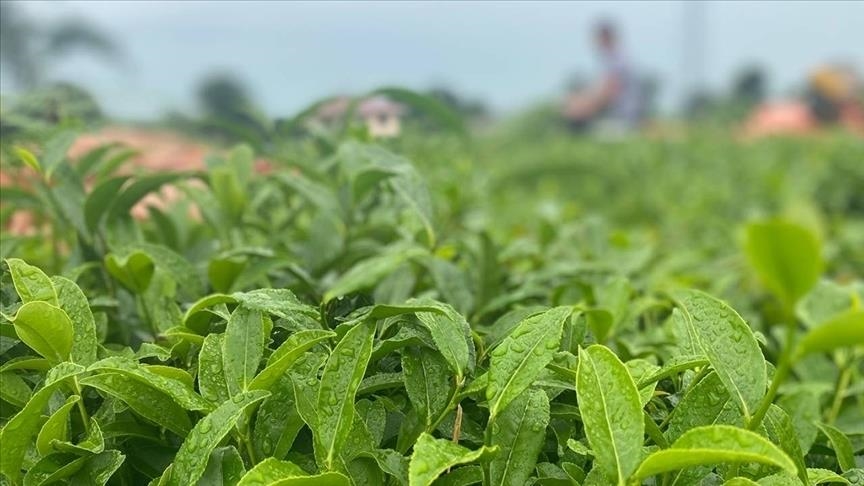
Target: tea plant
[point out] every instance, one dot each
(323, 324)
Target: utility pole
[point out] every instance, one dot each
(693, 54)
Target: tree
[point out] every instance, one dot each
(223, 96)
(26, 49)
(748, 87)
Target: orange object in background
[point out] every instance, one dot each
(831, 100)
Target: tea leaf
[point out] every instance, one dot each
(191, 460)
(98, 202)
(706, 403)
(781, 432)
(21, 429)
(519, 433)
(520, 358)
(433, 456)
(56, 427)
(146, 401)
(178, 390)
(225, 467)
(426, 380)
(730, 346)
(99, 468)
(73, 301)
(844, 330)
(611, 412)
(243, 348)
(211, 372)
(672, 367)
(786, 257)
(31, 283)
(14, 389)
(273, 472)
(55, 150)
(285, 356)
(53, 468)
(370, 271)
(841, 444)
(46, 329)
(715, 444)
(28, 158)
(334, 404)
(451, 334)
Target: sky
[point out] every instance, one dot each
(509, 54)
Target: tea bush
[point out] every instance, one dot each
(504, 312)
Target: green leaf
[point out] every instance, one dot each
(729, 344)
(243, 348)
(433, 456)
(706, 403)
(450, 333)
(844, 330)
(73, 301)
(520, 358)
(672, 367)
(140, 187)
(98, 202)
(739, 481)
(211, 371)
(640, 369)
(134, 270)
(285, 356)
(14, 389)
(804, 409)
(782, 432)
(52, 469)
(46, 329)
(371, 270)
(825, 301)
(815, 477)
(31, 283)
(427, 382)
(146, 401)
(26, 363)
(787, 258)
(713, 445)
(179, 390)
(340, 380)
(92, 443)
(224, 468)
(28, 158)
(611, 412)
(461, 476)
(21, 429)
(55, 149)
(278, 421)
(56, 427)
(172, 263)
(519, 433)
(841, 444)
(191, 460)
(99, 468)
(273, 472)
(279, 302)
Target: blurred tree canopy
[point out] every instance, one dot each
(28, 48)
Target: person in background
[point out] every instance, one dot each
(832, 99)
(613, 103)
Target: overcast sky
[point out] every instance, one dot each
(509, 54)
